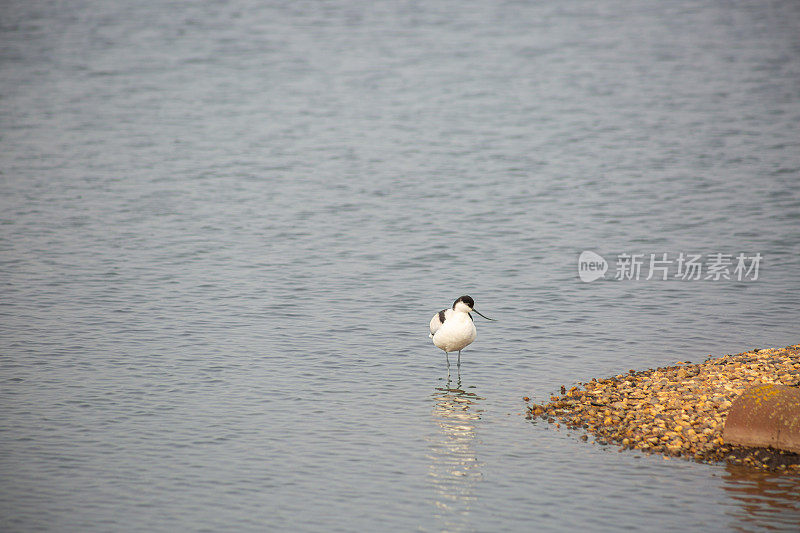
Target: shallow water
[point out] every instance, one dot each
(226, 225)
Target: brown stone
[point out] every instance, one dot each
(765, 416)
(655, 411)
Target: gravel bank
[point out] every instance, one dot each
(678, 410)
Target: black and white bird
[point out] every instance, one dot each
(453, 329)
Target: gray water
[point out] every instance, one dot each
(226, 225)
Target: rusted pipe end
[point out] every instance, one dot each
(765, 416)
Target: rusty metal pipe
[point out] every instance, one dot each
(765, 416)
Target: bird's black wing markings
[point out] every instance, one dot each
(441, 316)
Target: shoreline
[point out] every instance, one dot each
(679, 410)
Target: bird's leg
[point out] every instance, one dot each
(447, 359)
(459, 359)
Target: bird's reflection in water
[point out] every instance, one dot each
(454, 469)
(767, 500)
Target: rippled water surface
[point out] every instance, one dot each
(224, 227)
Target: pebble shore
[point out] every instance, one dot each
(677, 411)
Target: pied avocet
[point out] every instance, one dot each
(453, 329)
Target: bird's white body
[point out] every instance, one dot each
(456, 332)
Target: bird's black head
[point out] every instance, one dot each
(467, 301)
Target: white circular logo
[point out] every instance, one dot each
(591, 266)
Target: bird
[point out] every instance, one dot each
(453, 329)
